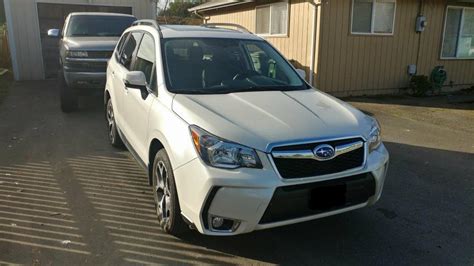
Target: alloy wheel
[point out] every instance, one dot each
(162, 192)
(111, 121)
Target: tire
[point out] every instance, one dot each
(114, 136)
(68, 97)
(166, 196)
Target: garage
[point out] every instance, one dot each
(51, 16)
(35, 56)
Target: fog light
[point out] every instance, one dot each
(220, 224)
(217, 222)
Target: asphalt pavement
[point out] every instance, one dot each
(67, 197)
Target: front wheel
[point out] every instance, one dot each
(114, 136)
(166, 197)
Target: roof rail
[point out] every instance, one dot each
(216, 25)
(147, 22)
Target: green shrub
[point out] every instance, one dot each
(420, 85)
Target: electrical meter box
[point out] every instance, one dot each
(411, 70)
(421, 23)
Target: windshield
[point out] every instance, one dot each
(80, 26)
(205, 65)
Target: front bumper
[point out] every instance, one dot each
(245, 194)
(85, 72)
(91, 80)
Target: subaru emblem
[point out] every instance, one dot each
(324, 152)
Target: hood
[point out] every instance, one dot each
(264, 119)
(91, 43)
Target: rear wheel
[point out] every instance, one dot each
(114, 136)
(68, 97)
(166, 197)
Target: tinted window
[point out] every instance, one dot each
(129, 49)
(205, 65)
(145, 58)
(120, 45)
(87, 25)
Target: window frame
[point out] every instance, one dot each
(372, 19)
(270, 34)
(153, 77)
(119, 48)
(460, 30)
(134, 51)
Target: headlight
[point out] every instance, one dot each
(220, 153)
(374, 139)
(77, 54)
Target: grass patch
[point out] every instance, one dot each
(5, 82)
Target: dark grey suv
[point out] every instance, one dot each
(86, 44)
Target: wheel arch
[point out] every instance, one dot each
(155, 146)
(106, 97)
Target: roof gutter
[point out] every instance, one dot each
(221, 4)
(204, 18)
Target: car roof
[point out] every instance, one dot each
(100, 14)
(187, 31)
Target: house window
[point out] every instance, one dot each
(458, 40)
(373, 16)
(272, 19)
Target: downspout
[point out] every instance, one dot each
(420, 13)
(315, 39)
(204, 18)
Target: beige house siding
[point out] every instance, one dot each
(295, 46)
(459, 71)
(350, 64)
(24, 35)
(354, 64)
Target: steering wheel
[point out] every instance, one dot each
(246, 74)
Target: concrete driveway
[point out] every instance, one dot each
(67, 197)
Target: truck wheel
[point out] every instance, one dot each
(68, 97)
(114, 136)
(166, 196)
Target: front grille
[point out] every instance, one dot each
(85, 66)
(297, 201)
(299, 168)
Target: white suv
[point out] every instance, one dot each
(233, 138)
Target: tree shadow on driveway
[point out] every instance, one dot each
(63, 163)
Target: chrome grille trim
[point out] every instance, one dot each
(308, 154)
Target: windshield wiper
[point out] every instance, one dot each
(226, 90)
(203, 91)
(263, 88)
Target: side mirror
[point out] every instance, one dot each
(135, 80)
(53, 33)
(302, 73)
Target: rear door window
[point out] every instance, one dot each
(129, 49)
(120, 46)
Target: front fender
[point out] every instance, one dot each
(174, 135)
